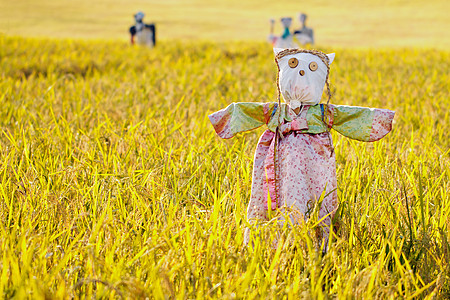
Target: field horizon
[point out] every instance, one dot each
(347, 23)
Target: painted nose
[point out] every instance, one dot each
(302, 72)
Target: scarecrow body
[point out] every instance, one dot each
(145, 33)
(286, 39)
(304, 35)
(298, 167)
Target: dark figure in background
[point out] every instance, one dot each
(304, 35)
(145, 33)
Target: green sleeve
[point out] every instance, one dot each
(240, 117)
(361, 123)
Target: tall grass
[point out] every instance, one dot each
(114, 184)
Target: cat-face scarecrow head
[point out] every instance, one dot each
(302, 75)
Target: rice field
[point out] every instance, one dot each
(113, 183)
(343, 23)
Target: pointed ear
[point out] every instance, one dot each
(277, 50)
(330, 57)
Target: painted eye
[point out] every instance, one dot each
(293, 62)
(313, 66)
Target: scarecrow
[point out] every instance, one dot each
(304, 35)
(286, 39)
(294, 164)
(145, 33)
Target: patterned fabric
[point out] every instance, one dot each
(359, 123)
(304, 166)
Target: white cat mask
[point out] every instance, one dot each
(302, 75)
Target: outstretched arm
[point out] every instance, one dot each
(132, 33)
(152, 28)
(362, 123)
(240, 117)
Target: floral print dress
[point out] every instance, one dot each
(294, 174)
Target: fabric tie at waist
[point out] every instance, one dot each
(295, 125)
